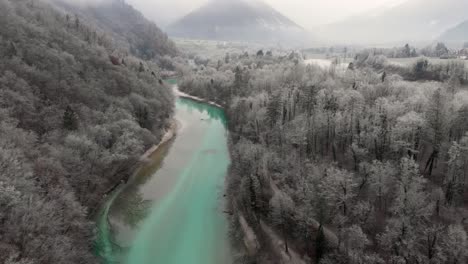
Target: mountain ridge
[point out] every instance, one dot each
(410, 21)
(128, 26)
(237, 20)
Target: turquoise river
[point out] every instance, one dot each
(171, 211)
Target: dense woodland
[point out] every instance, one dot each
(367, 164)
(75, 115)
(127, 27)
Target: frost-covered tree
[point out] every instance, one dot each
(381, 181)
(339, 187)
(455, 245)
(355, 243)
(281, 212)
(456, 179)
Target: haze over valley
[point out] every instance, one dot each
(383, 23)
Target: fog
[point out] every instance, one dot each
(376, 22)
(85, 2)
(307, 13)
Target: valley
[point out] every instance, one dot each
(234, 134)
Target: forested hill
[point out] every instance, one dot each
(348, 166)
(127, 26)
(73, 122)
(415, 20)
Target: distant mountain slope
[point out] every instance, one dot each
(411, 21)
(456, 34)
(127, 26)
(238, 20)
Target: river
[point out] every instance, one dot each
(171, 212)
(326, 64)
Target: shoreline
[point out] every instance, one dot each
(170, 133)
(181, 94)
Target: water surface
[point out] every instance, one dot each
(172, 211)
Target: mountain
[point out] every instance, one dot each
(412, 21)
(456, 34)
(162, 13)
(237, 20)
(127, 26)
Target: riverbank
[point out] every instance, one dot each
(105, 244)
(171, 132)
(250, 245)
(256, 240)
(168, 135)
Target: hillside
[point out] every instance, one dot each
(72, 124)
(411, 21)
(127, 26)
(237, 20)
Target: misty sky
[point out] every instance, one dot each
(307, 13)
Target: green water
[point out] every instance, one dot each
(172, 211)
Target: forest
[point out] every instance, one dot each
(77, 110)
(363, 165)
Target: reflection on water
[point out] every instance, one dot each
(173, 202)
(326, 63)
(213, 112)
(130, 207)
(132, 210)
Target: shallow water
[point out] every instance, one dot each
(172, 211)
